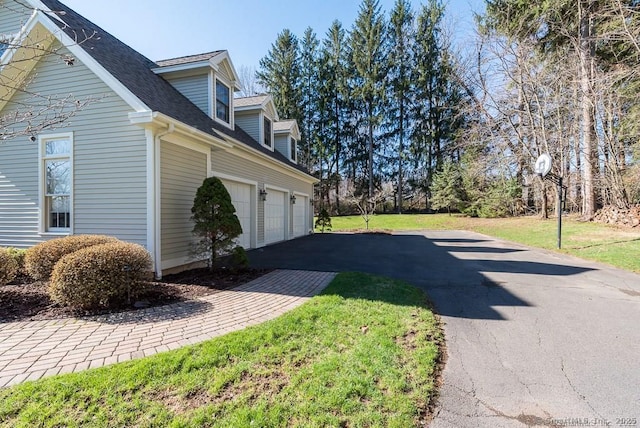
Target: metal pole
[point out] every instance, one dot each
(559, 212)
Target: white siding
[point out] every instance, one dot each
(109, 193)
(250, 123)
(182, 172)
(195, 88)
(234, 165)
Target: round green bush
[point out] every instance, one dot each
(104, 275)
(8, 267)
(40, 259)
(239, 258)
(18, 255)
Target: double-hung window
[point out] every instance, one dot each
(266, 128)
(57, 182)
(223, 102)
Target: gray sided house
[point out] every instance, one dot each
(129, 162)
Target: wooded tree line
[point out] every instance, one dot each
(388, 104)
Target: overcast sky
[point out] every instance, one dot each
(162, 29)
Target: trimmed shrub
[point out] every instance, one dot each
(239, 258)
(40, 259)
(103, 275)
(18, 255)
(8, 266)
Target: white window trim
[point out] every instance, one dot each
(264, 117)
(293, 157)
(42, 219)
(214, 101)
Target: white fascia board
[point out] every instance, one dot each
(224, 56)
(181, 67)
(247, 109)
(146, 118)
(295, 131)
(93, 65)
(7, 55)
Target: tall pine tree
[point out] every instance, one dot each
(368, 48)
(309, 92)
(335, 89)
(401, 63)
(280, 74)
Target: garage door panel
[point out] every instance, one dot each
(274, 216)
(300, 216)
(241, 198)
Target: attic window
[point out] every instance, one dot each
(222, 101)
(293, 151)
(267, 132)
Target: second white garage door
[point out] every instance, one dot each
(300, 216)
(274, 218)
(241, 198)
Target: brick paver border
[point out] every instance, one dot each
(35, 349)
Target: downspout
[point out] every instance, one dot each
(157, 214)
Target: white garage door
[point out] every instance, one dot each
(241, 198)
(274, 225)
(300, 216)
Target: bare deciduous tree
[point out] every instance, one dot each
(20, 53)
(249, 85)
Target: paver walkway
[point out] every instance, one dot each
(35, 349)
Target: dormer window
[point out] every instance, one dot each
(267, 132)
(223, 101)
(293, 151)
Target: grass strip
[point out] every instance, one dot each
(363, 353)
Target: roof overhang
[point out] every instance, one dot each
(220, 142)
(156, 119)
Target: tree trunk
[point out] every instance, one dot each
(588, 108)
(400, 152)
(370, 166)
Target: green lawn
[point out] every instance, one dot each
(608, 244)
(364, 353)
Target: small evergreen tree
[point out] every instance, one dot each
(446, 188)
(323, 221)
(215, 221)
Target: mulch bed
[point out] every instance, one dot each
(28, 300)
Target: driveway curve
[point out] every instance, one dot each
(534, 338)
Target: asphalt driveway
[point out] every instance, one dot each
(534, 338)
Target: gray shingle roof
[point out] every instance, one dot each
(283, 125)
(188, 59)
(255, 100)
(134, 71)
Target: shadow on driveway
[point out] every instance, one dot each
(457, 285)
